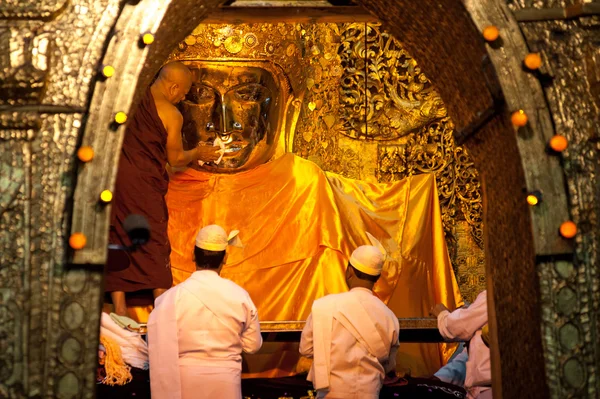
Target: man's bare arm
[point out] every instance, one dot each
(176, 155)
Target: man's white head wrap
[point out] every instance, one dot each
(369, 259)
(214, 238)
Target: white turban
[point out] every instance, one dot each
(214, 238)
(369, 259)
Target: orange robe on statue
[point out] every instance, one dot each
(299, 226)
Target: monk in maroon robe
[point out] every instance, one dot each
(152, 141)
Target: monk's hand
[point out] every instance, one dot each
(437, 309)
(207, 153)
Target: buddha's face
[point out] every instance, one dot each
(241, 105)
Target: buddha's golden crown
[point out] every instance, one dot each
(283, 44)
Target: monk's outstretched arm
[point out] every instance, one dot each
(462, 324)
(176, 155)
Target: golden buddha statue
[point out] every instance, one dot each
(299, 223)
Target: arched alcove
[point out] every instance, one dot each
(468, 84)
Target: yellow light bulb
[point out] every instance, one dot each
(108, 71)
(106, 196)
(120, 117)
(148, 38)
(532, 200)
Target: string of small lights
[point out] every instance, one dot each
(85, 153)
(556, 145)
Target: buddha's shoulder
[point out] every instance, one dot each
(299, 162)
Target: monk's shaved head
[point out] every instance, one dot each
(174, 81)
(175, 72)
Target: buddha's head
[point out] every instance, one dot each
(248, 103)
(244, 103)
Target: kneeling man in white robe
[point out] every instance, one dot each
(352, 336)
(199, 328)
(466, 324)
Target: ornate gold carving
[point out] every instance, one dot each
(433, 150)
(419, 140)
(388, 97)
(23, 63)
(31, 9)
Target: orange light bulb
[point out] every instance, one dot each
(568, 229)
(85, 153)
(519, 118)
(77, 240)
(559, 143)
(533, 61)
(491, 33)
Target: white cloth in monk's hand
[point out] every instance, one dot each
(133, 348)
(217, 143)
(353, 338)
(465, 324)
(203, 323)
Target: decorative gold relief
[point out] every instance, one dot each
(433, 150)
(387, 96)
(24, 54)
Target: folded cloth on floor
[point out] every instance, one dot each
(133, 348)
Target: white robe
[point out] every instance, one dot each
(465, 324)
(196, 335)
(353, 338)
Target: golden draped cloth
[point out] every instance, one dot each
(299, 226)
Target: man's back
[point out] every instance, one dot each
(355, 371)
(196, 335)
(212, 316)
